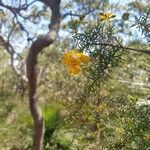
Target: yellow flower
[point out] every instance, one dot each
(71, 59)
(75, 69)
(83, 58)
(106, 16)
(74, 60)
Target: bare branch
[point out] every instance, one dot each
(9, 48)
(125, 48)
(16, 10)
(78, 15)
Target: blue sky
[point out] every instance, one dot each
(120, 1)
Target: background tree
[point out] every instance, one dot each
(16, 25)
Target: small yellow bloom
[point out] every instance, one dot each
(74, 69)
(74, 60)
(83, 58)
(106, 16)
(71, 59)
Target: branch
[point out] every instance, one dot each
(77, 15)
(125, 48)
(9, 48)
(137, 50)
(16, 10)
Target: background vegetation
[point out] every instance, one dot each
(114, 115)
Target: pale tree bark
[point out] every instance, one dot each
(37, 46)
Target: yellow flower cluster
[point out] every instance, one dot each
(74, 60)
(106, 16)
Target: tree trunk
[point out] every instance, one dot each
(37, 46)
(33, 99)
(38, 123)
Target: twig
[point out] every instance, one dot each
(9, 48)
(125, 48)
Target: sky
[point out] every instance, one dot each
(120, 1)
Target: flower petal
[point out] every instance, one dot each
(106, 16)
(75, 70)
(85, 58)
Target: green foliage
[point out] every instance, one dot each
(16, 124)
(125, 16)
(131, 128)
(89, 111)
(51, 116)
(113, 120)
(105, 49)
(52, 121)
(114, 123)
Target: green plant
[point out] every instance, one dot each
(52, 121)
